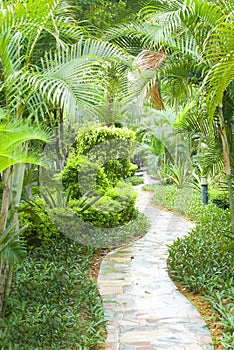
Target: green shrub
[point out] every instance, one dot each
(118, 169)
(110, 148)
(94, 136)
(100, 237)
(135, 180)
(41, 230)
(219, 197)
(82, 176)
(114, 208)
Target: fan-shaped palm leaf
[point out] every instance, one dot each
(11, 249)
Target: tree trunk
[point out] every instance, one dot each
(3, 274)
(6, 270)
(6, 273)
(5, 199)
(227, 162)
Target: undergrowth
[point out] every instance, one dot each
(203, 261)
(54, 304)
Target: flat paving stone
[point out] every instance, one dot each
(143, 308)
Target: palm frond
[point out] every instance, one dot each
(132, 36)
(12, 137)
(71, 78)
(15, 134)
(193, 123)
(220, 56)
(11, 248)
(212, 160)
(15, 252)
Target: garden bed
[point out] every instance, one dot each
(202, 262)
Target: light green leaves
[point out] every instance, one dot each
(12, 140)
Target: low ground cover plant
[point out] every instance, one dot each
(135, 180)
(54, 303)
(203, 261)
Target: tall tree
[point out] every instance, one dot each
(189, 33)
(66, 81)
(13, 138)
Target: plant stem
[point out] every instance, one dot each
(227, 163)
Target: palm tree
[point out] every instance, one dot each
(197, 39)
(48, 66)
(65, 82)
(13, 137)
(219, 84)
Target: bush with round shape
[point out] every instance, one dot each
(110, 148)
(41, 231)
(82, 176)
(114, 208)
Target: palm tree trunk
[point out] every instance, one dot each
(11, 197)
(227, 163)
(5, 198)
(6, 274)
(3, 277)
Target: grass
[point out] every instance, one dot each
(203, 261)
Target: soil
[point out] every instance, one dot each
(97, 259)
(206, 311)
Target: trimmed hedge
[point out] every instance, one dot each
(110, 148)
(82, 176)
(114, 208)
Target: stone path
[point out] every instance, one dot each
(144, 309)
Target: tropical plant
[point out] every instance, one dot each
(188, 33)
(13, 137)
(47, 68)
(179, 173)
(160, 145)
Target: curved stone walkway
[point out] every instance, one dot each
(144, 309)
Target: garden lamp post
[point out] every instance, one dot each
(204, 185)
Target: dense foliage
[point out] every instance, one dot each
(54, 303)
(114, 208)
(40, 231)
(96, 167)
(82, 175)
(109, 147)
(99, 15)
(203, 261)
